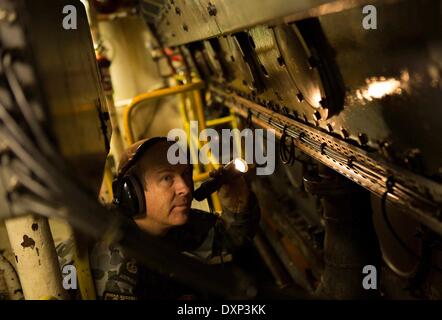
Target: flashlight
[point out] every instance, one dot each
(231, 170)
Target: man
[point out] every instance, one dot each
(157, 196)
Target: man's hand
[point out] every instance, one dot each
(234, 194)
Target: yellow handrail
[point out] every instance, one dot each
(156, 94)
(48, 298)
(216, 122)
(198, 111)
(84, 274)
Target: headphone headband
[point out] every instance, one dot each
(140, 148)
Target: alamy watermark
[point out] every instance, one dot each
(259, 147)
(370, 21)
(69, 277)
(70, 19)
(369, 282)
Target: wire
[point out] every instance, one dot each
(32, 184)
(286, 154)
(30, 204)
(389, 189)
(31, 157)
(249, 121)
(28, 157)
(24, 106)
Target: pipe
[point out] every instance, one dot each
(216, 122)
(81, 259)
(194, 141)
(350, 239)
(36, 258)
(156, 94)
(10, 278)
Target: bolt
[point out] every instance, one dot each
(185, 28)
(344, 133)
(211, 9)
(278, 96)
(386, 149)
(317, 115)
(329, 127)
(305, 117)
(178, 11)
(300, 97)
(362, 138)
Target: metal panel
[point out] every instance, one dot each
(380, 86)
(67, 73)
(184, 19)
(210, 18)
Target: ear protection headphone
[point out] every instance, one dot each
(128, 190)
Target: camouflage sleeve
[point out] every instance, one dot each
(115, 276)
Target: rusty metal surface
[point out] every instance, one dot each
(209, 18)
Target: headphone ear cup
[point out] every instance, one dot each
(131, 196)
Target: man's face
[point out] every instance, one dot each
(167, 188)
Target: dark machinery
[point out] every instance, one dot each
(355, 111)
(362, 102)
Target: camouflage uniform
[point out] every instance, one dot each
(205, 236)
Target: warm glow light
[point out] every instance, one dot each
(379, 89)
(240, 165)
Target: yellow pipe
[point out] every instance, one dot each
(127, 124)
(182, 108)
(84, 274)
(236, 135)
(213, 162)
(216, 122)
(199, 110)
(216, 203)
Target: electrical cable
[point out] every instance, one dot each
(286, 154)
(389, 189)
(24, 106)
